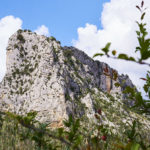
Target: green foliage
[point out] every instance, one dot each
(144, 49)
(132, 133)
(77, 134)
(21, 38)
(16, 46)
(72, 135)
(52, 38)
(25, 132)
(55, 54)
(106, 48)
(67, 97)
(147, 84)
(39, 56)
(142, 105)
(34, 47)
(144, 43)
(58, 42)
(114, 52)
(27, 30)
(67, 53)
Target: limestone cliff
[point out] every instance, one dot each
(57, 81)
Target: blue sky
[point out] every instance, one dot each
(62, 17)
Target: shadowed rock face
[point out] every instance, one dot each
(55, 81)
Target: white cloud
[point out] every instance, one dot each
(42, 30)
(8, 25)
(118, 21)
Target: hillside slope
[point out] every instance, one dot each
(58, 81)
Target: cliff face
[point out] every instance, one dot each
(57, 81)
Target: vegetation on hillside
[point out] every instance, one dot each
(26, 133)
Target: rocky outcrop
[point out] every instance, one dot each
(52, 80)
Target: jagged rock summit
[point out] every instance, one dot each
(57, 81)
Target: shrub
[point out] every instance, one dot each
(21, 38)
(39, 56)
(52, 38)
(67, 53)
(16, 46)
(35, 47)
(58, 42)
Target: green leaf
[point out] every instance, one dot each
(145, 54)
(60, 131)
(98, 54)
(115, 75)
(138, 8)
(145, 88)
(78, 140)
(142, 17)
(95, 140)
(117, 84)
(66, 123)
(108, 45)
(131, 58)
(139, 100)
(129, 90)
(106, 48)
(123, 56)
(138, 33)
(135, 146)
(142, 3)
(138, 49)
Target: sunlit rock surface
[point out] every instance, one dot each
(58, 81)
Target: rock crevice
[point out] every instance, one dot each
(55, 81)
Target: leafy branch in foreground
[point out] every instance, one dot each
(74, 135)
(78, 133)
(144, 43)
(144, 50)
(29, 122)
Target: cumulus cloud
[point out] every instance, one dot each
(42, 30)
(118, 27)
(8, 25)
